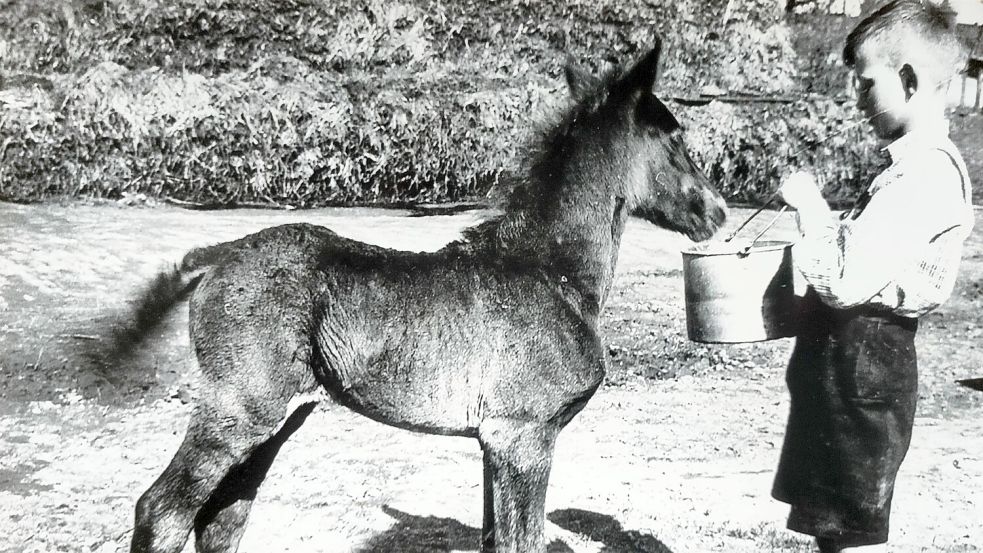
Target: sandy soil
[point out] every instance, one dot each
(674, 454)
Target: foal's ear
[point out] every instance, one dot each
(580, 82)
(645, 72)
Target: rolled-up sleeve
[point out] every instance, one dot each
(851, 263)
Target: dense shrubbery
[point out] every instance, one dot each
(321, 102)
(301, 138)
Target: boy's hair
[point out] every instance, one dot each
(918, 32)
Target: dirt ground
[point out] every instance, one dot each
(674, 454)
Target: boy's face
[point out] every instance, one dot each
(881, 93)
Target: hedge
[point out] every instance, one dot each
(323, 102)
(747, 149)
(245, 136)
(749, 51)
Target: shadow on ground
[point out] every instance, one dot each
(427, 534)
(606, 530)
(422, 534)
(417, 534)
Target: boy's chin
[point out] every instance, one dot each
(887, 132)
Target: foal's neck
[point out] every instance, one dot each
(583, 236)
(566, 220)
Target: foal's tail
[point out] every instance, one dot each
(169, 288)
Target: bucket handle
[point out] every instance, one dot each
(747, 249)
(753, 215)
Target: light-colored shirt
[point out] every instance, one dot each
(901, 250)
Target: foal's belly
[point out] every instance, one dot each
(415, 377)
(447, 384)
(439, 354)
(419, 398)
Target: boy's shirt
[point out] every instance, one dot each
(900, 250)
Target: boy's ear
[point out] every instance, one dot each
(580, 82)
(909, 80)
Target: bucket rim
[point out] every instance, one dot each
(701, 250)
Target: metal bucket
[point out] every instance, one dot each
(736, 294)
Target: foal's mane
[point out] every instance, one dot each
(524, 199)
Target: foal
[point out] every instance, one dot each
(494, 337)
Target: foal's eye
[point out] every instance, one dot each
(698, 207)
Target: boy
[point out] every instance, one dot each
(853, 376)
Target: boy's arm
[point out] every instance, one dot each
(851, 265)
(822, 252)
(845, 267)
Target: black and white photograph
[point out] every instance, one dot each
(491, 276)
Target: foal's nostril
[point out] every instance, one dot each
(719, 211)
(719, 215)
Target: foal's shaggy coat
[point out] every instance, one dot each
(493, 337)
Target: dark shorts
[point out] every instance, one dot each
(853, 382)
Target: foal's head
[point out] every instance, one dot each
(622, 119)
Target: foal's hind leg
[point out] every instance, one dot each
(517, 460)
(222, 520)
(166, 511)
(225, 429)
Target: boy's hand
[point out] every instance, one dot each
(800, 190)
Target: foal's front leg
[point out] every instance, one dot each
(517, 460)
